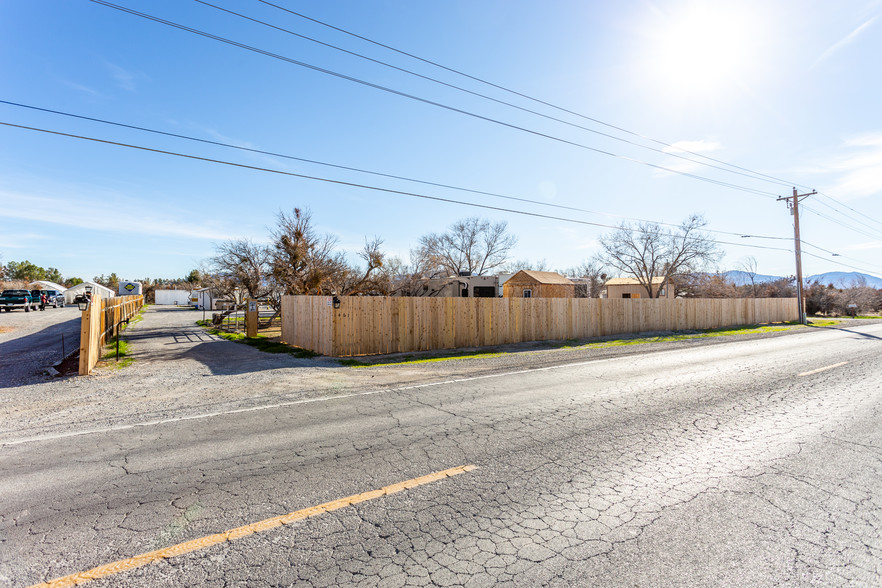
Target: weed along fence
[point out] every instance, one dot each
(375, 325)
(101, 322)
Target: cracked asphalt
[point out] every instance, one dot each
(675, 465)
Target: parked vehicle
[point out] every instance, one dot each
(10, 299)
(54, 298)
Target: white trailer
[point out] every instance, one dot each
(172, 297)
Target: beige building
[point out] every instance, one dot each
(530, 284)
(632, 288)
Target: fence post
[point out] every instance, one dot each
(251, 319)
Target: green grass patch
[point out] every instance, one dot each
(260, 342)
(823, 322)
(109, 357)
(703, 334)
(575, 344)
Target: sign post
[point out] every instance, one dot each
(251, 319)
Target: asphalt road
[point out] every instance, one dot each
(735, 464)
(33, 342)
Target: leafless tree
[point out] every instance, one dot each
(512, 267)
(859, 294)
(244, 264)
(706, 285)
(649, 250)
(470, 245)
(349, 280)
(303, 262)
(748, 266)
(590, 276)
(780, 288)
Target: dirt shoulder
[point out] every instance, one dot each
(181, 369)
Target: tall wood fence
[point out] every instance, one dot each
(100, 323)
(375, 325)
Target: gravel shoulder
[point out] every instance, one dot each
(180, 369)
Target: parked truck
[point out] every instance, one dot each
(10, 299)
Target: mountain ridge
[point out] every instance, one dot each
(838, 279)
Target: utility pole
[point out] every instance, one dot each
(793, 204)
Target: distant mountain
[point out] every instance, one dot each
(838, 279)
(846, 279)
(743, 278)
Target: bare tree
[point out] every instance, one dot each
(748, 267)
(303, 262)
(242, 263)
(349, 280)
(513, 267)
(470, 245)
(706, 285)
(594, 273)
(648, 251)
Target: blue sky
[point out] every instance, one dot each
(787, 89)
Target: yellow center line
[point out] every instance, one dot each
(823, 369)
(239, 532)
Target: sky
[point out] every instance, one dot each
(596, 113)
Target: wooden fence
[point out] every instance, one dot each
(375, 325)
(101, 322)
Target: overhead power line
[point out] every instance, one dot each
(746, 171)
(854, 267)
(757, 174)
(360, 186)
(725, 168)
(364, 171)
(833, 208)
(429, 102)
(873, 235)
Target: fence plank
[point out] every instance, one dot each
(372, 325)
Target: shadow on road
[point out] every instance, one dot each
(24, 358)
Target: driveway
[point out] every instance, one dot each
(30, 342)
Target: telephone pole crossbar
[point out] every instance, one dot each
(793, 204)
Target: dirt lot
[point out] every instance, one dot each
(180, 370)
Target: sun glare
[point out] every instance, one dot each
(703, 48)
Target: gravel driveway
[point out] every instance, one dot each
(181, 370)
(30, 342)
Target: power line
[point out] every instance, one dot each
(752, 173)
(837, 262)
(842, 224)
(360, 170)
(364, 186)
(851, 209)
(749, 174)
(427, 101)
(523, 95)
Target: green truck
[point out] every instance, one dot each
(10, 299)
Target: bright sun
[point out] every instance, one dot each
(703, 47)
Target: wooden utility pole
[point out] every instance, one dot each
(793, 204)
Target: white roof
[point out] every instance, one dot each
(46, 285)
(103, 290)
